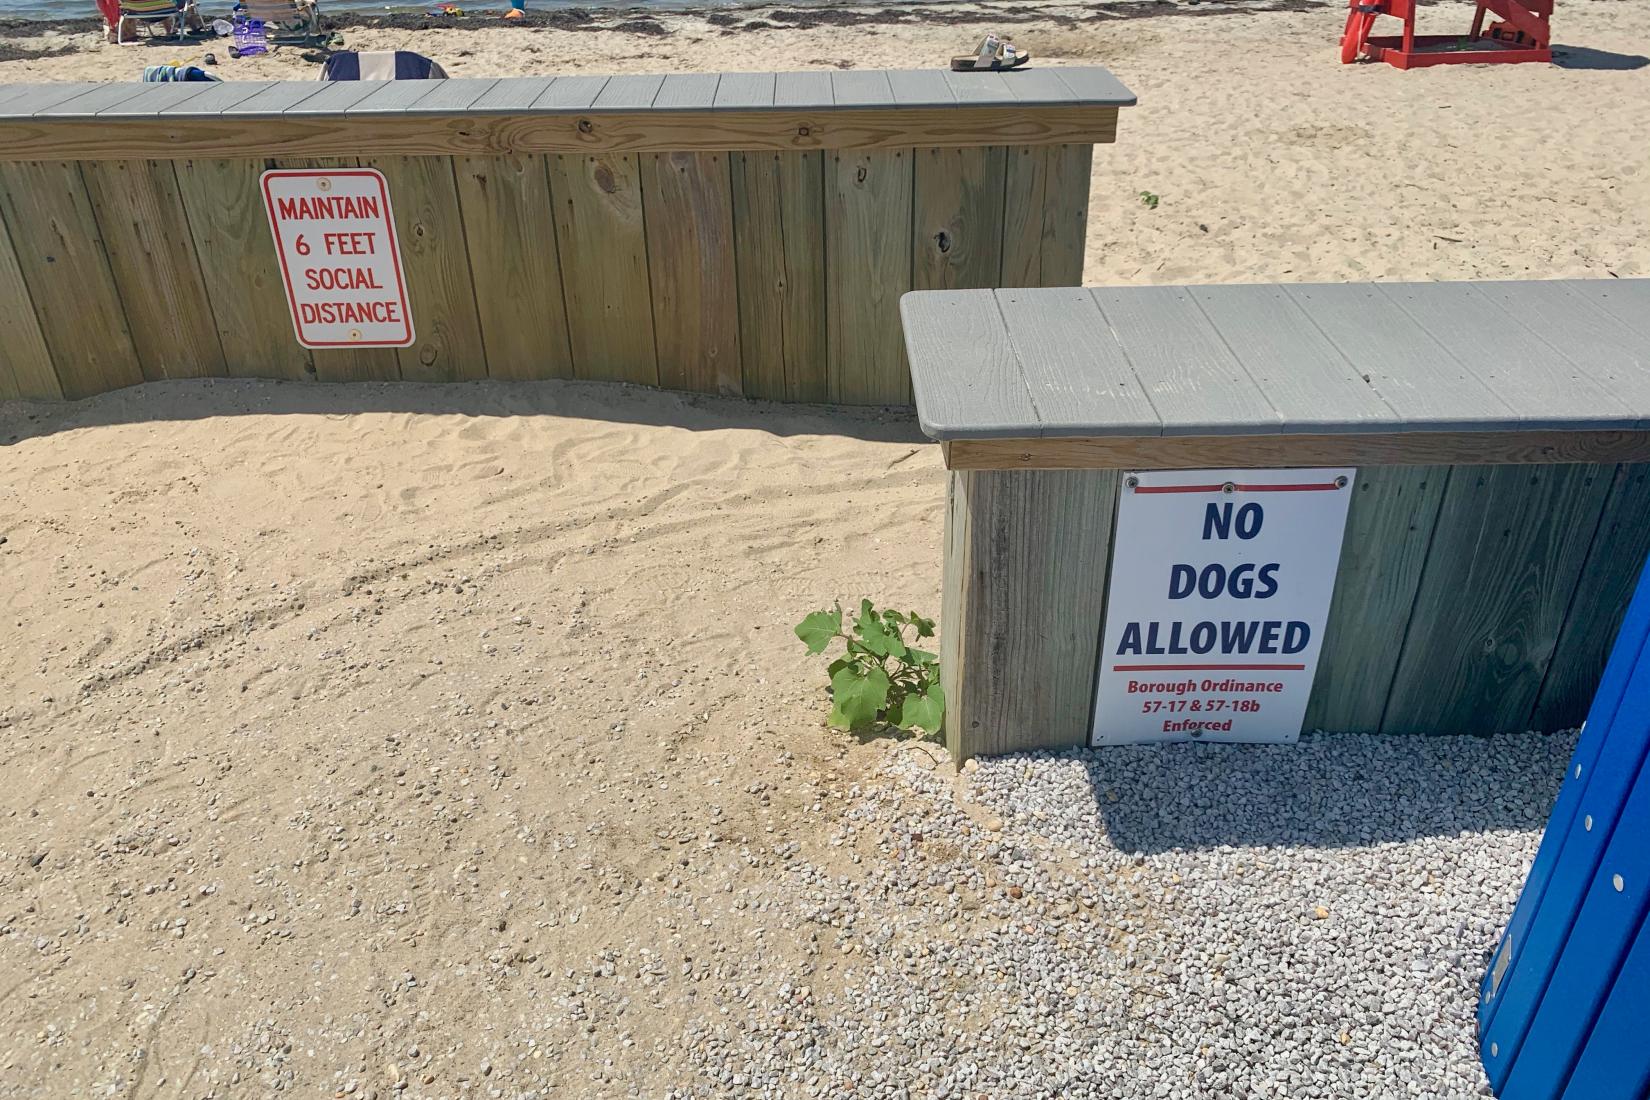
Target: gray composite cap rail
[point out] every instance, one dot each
(1376, 373)
(793, 110)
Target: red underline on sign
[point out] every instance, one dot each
(1208, 668)
(1314, 487)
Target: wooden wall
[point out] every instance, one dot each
(768, 274)
(1470, 599)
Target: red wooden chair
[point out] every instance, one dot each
(1521, 32)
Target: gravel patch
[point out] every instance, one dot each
(1175, 921)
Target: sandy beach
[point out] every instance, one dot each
(438, 741)
(1270, 160)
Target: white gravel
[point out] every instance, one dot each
(1182, 921)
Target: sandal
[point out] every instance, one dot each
(991, 54)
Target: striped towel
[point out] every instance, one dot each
(166, 74)
(381, 65)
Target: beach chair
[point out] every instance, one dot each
(132, 13)
(381, 65)
(287, 22)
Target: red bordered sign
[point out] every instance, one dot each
(341, 263)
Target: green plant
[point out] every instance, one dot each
(881, 676)
(1149, 199)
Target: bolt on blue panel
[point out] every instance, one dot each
(1560, 996)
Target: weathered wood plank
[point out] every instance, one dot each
(239, 268)
(861, 87)
(430, 231)
(510, 226)
(64, 264)
(602, 243)
(90, 102)
(921, 88)
(152, 257)
(337, 96)
(981, 87)
(1073, 370)
(26, 369)
(154, 99)
(1610, 352)
(1389, 527)
(972, 346)
(571, 93)
(1066, 212)
(688, 206)
(346, 364)
(1025, 181)
(868, 256)
(957, 220)
(1405, 366)
(744, 91)
(1536, 380)
(809, 90)
(627, 93)
(1627, 300)
(393, 97)
(1025, 563)
(1614, 559)
(1507, 551)
(271, 102)
(449, 97)
(1193, 381)
(1039, 88)
(214, 99)
(779, 240)
(1198, 452)
(687, 92)
(431, 128)
(1094, 84)
(1301, 373)
(513, 93)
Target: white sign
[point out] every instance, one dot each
(1220, 585)
(339, 257)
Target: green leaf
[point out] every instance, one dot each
(857, 697)
(925, 627)
(920, 656)
(817, 630)
(924, 711)
(879, 639)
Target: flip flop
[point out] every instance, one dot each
(992, 54)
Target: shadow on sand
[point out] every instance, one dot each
(195, 399)
(1585, 57)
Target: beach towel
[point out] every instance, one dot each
(381, 65)
(165, 74)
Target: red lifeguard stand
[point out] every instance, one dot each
(1522, 32)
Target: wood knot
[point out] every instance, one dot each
(586, 126)
(943, 240)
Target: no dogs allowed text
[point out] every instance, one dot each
(1220, 587)
(340, 261)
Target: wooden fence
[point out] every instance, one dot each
(1500, 433)
(739, 233)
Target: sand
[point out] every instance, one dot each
(339, 723)
(1270, 159)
